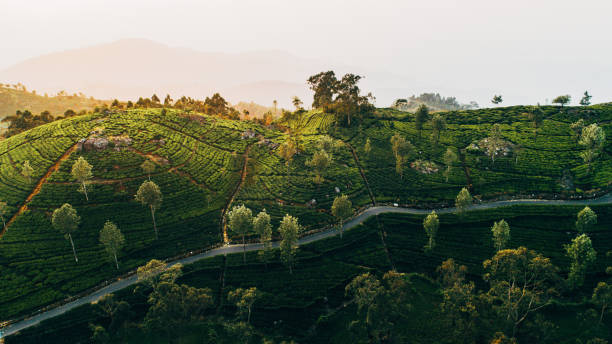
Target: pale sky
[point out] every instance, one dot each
(528, 49)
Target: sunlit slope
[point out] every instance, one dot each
(205, 165)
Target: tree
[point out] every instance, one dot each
(521, 282)
(324, 86)
(367, 148)
(150, 195)
(459, 300)
(262, 226)
(168, 100)
(494, 141)
(240, 221)
(244, 299)
(562, 100)
(319, 162)
(288, 230)
(287, 150)
(586, 99)
(497, 99)
(438, 123)
(536, 115)
(585, 219)
(420, 117)
(602, 296)
(66, 220)
(450, 157)
(342, 209)
(155, 98)
(112, 239)
(326, 144)
(431, 225)
(463, 200)
(297, 103)
(577, 128)
(150, 273)
(117, 311)
(592, 139)
(148, 167)
(401, 150)
(384, 305)
(501, 234)
(81, 171)
(27, 170)
(2, 213)
(582, 254)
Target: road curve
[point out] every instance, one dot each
(228, 249)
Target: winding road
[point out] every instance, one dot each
(228, 249)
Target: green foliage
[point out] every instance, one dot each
(431, 225)
(81, 172)
(150, 195)
(342, 209)
(497, 99)
(66, 220)
(112, 239)
(402, 150)
(148, 167)
(244, 299)
(27, 170)
(288, 229)
(240, 221)
(586, 218)
(581, 254)
(586, 99)
(463, 200)
(420, 117)
(319, 162)
(501, 234)
(562, 100)
(438, 123)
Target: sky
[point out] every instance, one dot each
(528, 50)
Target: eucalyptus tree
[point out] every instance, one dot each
(431, 223)
(81, 172)
(150, 195)
(112, 239)
(240, 221)
(289, 229)
(342, 208)
(501, 234)
(66, 220)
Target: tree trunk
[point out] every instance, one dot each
(290, 268)
(603, 310)
(249, 316)
(116, 262)
(341, 229)
(3, 223)
(85, 191)
(154, 224)
(73, 249)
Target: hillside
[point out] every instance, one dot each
(12, 99)
(206, 164)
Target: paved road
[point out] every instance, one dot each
(372, 211)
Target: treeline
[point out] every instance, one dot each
(25, 120)
(433, 100)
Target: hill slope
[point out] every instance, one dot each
(205, 165)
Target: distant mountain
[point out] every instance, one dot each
(128, 69)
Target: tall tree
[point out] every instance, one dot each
(577, 128)
(581, 253)
(342, 209)
(602, 296)
(27, 171)
(431, 225)
(240, 221)
(585, 219)
(592, 139)
(324, 86)
(497, 99)
(287, 150)
(319, 162)
(297, 103)
(81, 171)
(459, 301)
(66, 220)
(586, 99)
(244, 299)
(263, 227)
(168, 100)
(288, 229)
(150, 195)
(562, 100)
(450, 157)
(536, 115)
(521, 282)
(494, 141)
(401, 150)
(501, 234)
(420, 117)
(463, 200)
(148, 167)
(438, 123)
(367, 148)
(112, 239)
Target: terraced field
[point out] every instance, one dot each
(205, 165)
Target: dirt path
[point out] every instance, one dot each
(231, 199)
(38, 186)
(361, 172)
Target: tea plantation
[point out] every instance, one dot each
(205, 165)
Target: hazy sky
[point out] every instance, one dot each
(468, 48)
